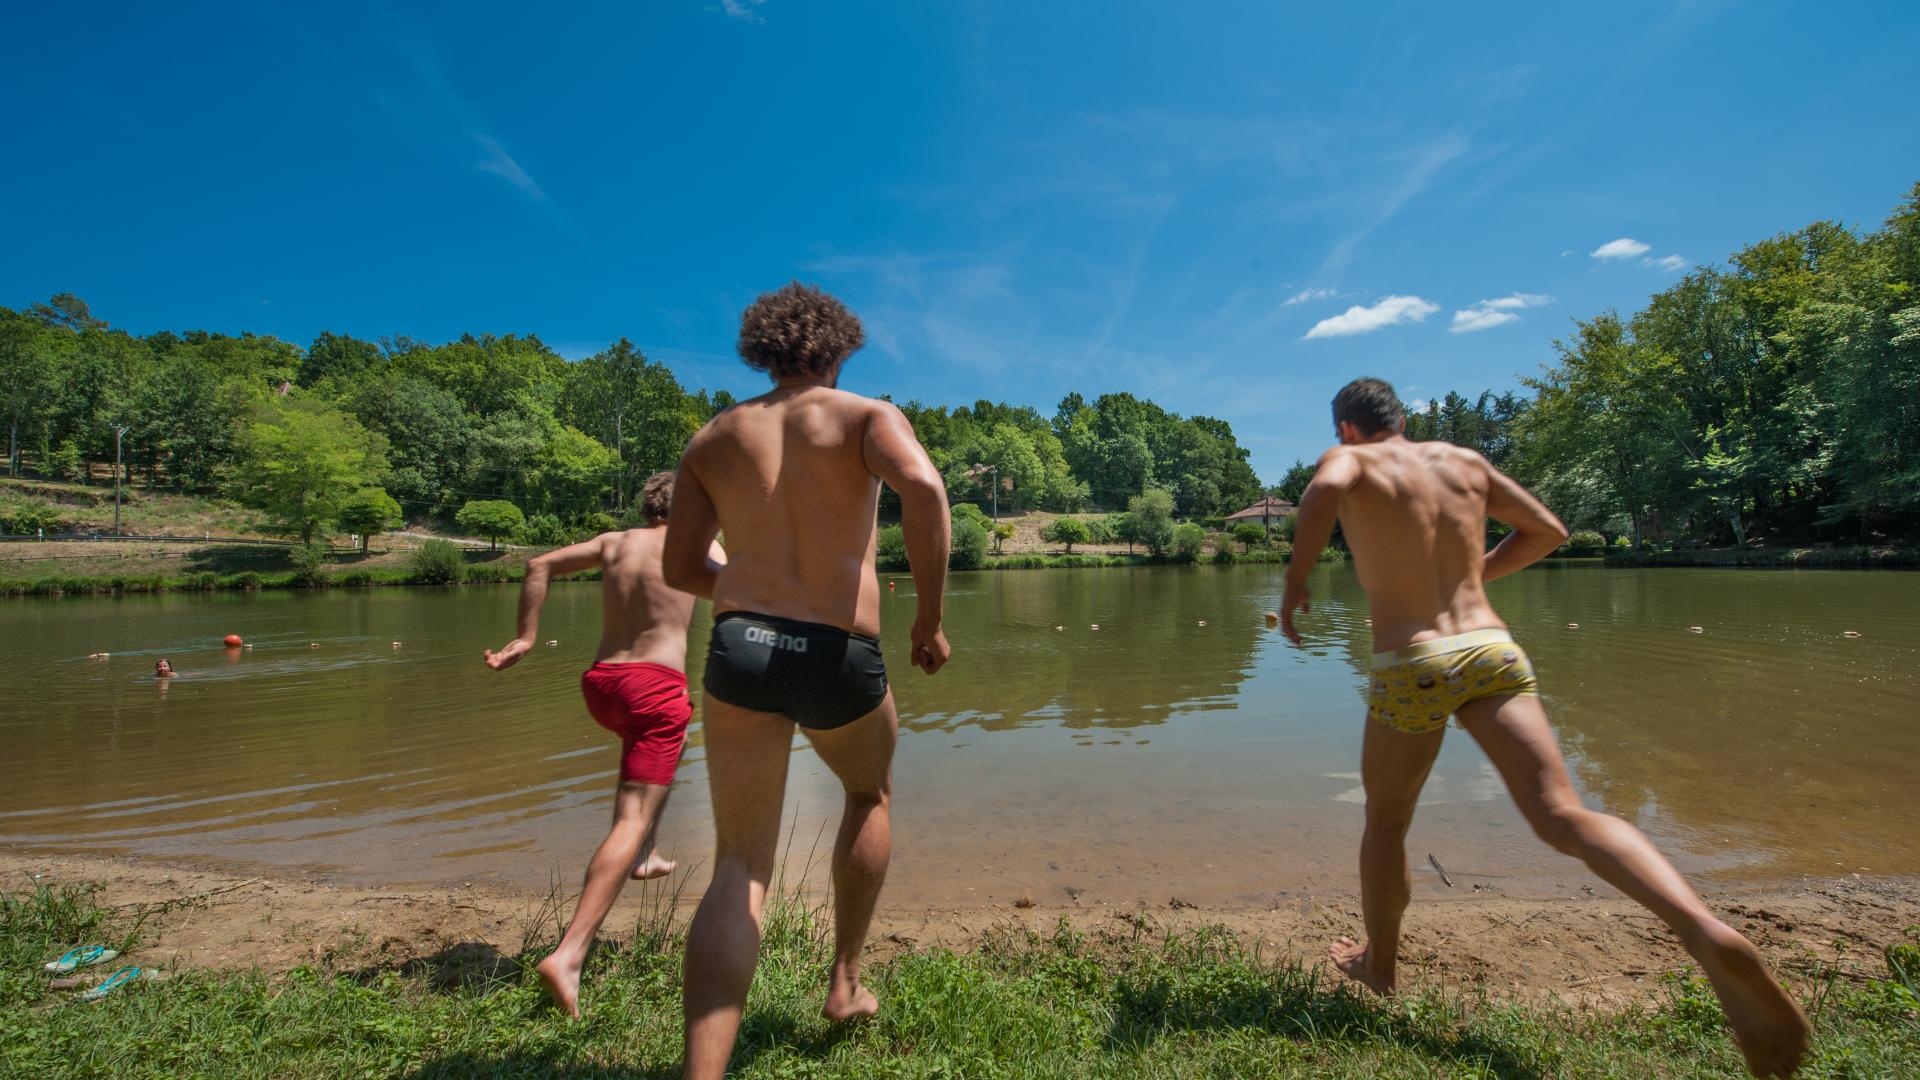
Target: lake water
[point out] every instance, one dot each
(1182, 749)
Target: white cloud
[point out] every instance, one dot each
(1669, 263)
(1488, 314)
(501, 164)
(742, 10)
(1624, 248)
(1365, 320)
(1308, 295)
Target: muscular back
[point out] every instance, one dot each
(795, 498)
(642, 619)
(1415, 519)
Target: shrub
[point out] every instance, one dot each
(246, 580)
(1188, 540)
(438, 562)
(355, 578)
(1585, 542)
(494, 573)
(1623, 543)
(890, 548)
(970, 543)
(1249, 534)
(309, 562)
(970, 512)
(203, 581)
(1001, 531)
(545, 530)
(23, 517)
(599, 522)
(1068, 531)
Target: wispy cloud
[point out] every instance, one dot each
(743, 10)
(1488, 314)
(1420, 171)
(1365, 320)
(1624, 248)
(1305, 296)
(1669, 263)
(501, 164)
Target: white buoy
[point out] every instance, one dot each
(551, 643)
(396, 644)
(1849, 633)
(1095, 626)
(1573, 626)
(1059, 628)
(1203, 622)
(1696, 629)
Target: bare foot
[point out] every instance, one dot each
(1351, 958)
(653, 866)
(848, 1000)
(562, 981)
(1767, 1026)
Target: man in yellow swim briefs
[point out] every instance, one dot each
(1414, 516)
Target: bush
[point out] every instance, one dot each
(246, 580)
(309, 562)
(438, 562)
(1188, 541)
(1623, 543)
(1001, 531)
(970, 544)
(23, 517)
(1585, 542)
(355, 578)
(599, 522)
(890, 548)
(1068, 531)
(545, 530)
(969, 512)
(202, 581)
(1248, 534)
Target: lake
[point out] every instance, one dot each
(1181, 749)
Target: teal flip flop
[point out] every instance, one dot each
(115, 981)
(84, 956)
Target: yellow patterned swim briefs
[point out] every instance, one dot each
(1417, 688)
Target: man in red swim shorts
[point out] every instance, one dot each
(637, 689)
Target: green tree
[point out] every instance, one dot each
(27, 379)
(1150, 515)
(303, 460)
(1249, 534)
(1294, 484)
(1068, 531)
(1189, 540)
(969, 550)
(369, 512)
(336, 356)
(1002, 531)
(492, 518)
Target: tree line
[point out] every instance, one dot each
(499, 433)
(1775, 399)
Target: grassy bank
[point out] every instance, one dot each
(1886, 558)
(1128, 1001)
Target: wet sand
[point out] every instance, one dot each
(1590, 947)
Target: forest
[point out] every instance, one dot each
(1773, 399)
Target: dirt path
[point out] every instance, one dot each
(1594, 950)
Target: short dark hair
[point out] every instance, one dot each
(1370, 405)
(798, 330)
(656, 498)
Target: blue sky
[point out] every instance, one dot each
(1230, 208)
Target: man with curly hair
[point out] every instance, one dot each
(793, 479)
(637, 689)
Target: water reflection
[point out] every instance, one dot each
(1153, 750)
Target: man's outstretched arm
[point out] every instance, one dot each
(895, 456)
(1536, 531)
(688, 559)
(533, 594)
(1313, 524)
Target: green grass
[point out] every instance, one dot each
(143, 511)
(1125, 1003)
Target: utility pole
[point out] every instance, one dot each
(117, 432)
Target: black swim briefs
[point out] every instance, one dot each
(818, 676)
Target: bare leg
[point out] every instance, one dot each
(861, 755)
(649, 864)
(636, 807)
(1768, 1027)
(747, 756)
(1393, 767)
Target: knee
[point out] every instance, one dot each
(868, 799)
(1388, 820)
(1559, 827)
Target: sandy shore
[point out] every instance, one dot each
(1594, 949)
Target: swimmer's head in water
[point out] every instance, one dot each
(799, 331)
(656, 498)
(1370, 406)
(163, 667)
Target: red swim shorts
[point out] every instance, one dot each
(647, 706)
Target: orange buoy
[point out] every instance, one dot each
(233, 641)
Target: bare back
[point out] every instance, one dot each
(795, 497)
(1415, 519)
(641, 617)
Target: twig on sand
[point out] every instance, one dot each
(204, 894)
(1630, 973)
(1438, 869)
(1508, 921)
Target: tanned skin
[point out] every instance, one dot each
(793, 479)
(1414, 516)
(642, 619)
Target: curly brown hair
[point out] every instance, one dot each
(798, 330)
(656, 498)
